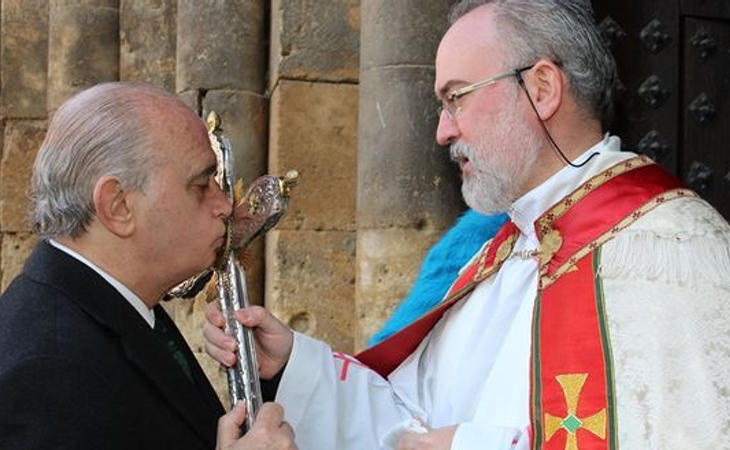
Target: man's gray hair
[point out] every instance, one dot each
(103, 130)
(561, 30)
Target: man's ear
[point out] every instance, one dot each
(545, 85)
(112, 205)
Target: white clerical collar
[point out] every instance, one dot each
(147, 314)
(528, 208)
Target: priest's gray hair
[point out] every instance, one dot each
(561, 30)
(103, 130)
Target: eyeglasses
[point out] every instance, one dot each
(448, 102)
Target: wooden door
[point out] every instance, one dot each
(674, 65)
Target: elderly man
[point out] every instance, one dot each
(596, 317)
(127, 207)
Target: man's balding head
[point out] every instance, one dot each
(103, 130)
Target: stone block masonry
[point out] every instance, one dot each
(147, 42)
(21, 141)
(83, 46)
(339, 90)
(24, 25)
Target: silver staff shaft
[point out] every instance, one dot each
(243, 377)
(260, 208)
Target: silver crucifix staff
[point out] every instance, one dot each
(257, 211)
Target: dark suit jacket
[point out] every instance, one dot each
(81, 369)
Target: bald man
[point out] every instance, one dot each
(126, 206)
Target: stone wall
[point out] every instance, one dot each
(292, 87)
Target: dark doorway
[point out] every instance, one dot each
(674, 64)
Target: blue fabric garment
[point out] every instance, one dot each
(440, 268)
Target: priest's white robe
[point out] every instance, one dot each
(666, 280)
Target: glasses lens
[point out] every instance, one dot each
(447, 104)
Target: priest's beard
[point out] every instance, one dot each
(501, 163)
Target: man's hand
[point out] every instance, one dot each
(269, 431)
(435, 439)
(274, 340)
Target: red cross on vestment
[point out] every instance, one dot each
(346, 361)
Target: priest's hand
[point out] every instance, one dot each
(434, 439)
(269, 432)
(274, 340)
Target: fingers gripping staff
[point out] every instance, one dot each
(254, 213)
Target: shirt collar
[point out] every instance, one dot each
(147, 314)
(528, 208)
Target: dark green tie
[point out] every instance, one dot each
(164, 330)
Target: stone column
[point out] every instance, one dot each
(24, 58)
(21, 141)
(408, 191)
(310, 256)
(147, 42)
(83, 46)
(23, 67)
(3, 269)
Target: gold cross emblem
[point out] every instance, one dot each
(572, 384)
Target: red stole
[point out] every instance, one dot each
(572, 400)
(571, 381)
(388, 354)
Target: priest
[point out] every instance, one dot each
(598, 314)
